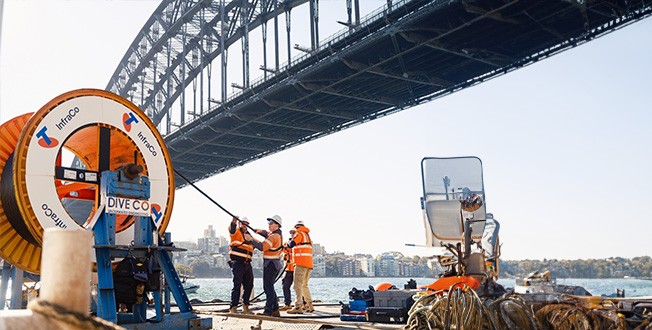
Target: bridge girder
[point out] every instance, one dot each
(393, 59)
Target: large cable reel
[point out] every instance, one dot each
(96, 131)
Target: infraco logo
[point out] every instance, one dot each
(44, 140)
(127, 119)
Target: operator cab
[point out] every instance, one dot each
(455, 217)
(453, 191)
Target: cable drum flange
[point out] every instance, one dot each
(13, 247)
(103, 131)
(9, 203)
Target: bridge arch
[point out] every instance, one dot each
(182, 38)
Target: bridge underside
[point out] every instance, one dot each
(397, 59)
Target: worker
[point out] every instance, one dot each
(289, 275)
(240, 252)
(272, 248)
(301, 245)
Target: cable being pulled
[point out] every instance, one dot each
(212, 200)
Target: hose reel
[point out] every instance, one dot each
(97, 131)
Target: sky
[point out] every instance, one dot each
(565, 142)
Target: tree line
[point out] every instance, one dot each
(616, 267)
(640, 267)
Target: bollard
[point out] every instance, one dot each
(65, 280)
(66, 268)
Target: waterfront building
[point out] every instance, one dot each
(387, 265)
(411, 269)
(210, 242)
(365, 265)
(317, 249)
(220, 261)
(319, 266)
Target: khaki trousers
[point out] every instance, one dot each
(301, 278)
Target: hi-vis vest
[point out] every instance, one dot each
(273, 246)
(240, 250)
(288, 260)
(302, 251)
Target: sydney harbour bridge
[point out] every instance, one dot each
(402, 54)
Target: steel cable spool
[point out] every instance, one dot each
(101, 131)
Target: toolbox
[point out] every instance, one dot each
(393, 298)
(387, 314)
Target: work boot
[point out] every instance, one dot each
(276, 313)
(246, 310)
(285, 308)
(296, 310)
(233, 309)
(309, 309)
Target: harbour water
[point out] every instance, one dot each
(336, 289)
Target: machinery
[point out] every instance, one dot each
(119, 184)
(456, 221)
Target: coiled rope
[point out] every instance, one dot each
(73, 318)
(576, 316)
(462, 308)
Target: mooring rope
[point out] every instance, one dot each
(74, 318)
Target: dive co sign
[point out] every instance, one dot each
(121, 205)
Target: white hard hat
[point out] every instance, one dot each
(299, 223)
(244, 219)
(277, 219)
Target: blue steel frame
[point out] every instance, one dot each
(114, 183)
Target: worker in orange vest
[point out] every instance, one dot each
(272, 248)
(301, 246)
(289, 275)
(240, 253)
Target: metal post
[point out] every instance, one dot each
(104, 233)
(245, 43)
(288, 18)
(195, 62)
(168, 120)
(6, 274)
(16, 301)
(223, 50)
(357, 12)
(142, 80)
(166, 292)
(155, 73)
(183, 77)
(316, 18)
(276, 45)
(201, 65)
(264, 34)
(313, 42)
(349, 12)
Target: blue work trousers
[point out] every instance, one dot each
(287, 284)
(243, 276)
(271, 299)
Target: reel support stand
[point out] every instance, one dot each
(121, 194)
